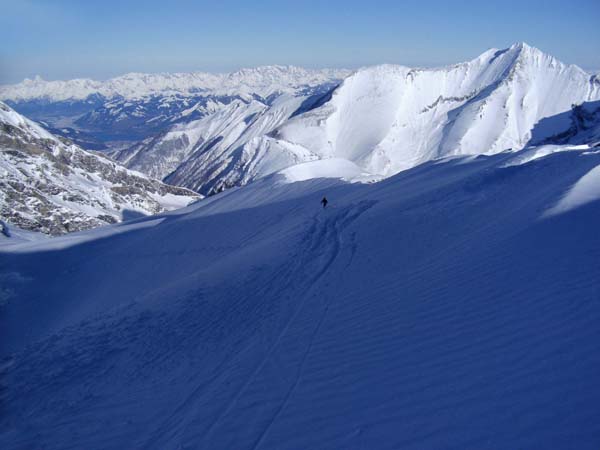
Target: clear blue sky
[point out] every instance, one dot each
(85, 38)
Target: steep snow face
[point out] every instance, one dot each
(227, 148)
(30, 131)
(262, 81)
(440, 308)
(386, 119)
(245, 153)
(54, 187)
(171, 149)
(390, 118)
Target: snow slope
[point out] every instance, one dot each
(385, 119)
(55, 187)
(440, 308)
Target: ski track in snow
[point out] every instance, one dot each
(334, 229)
(322, 240)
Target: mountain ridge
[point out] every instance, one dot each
(134, 85)
(384, 118)
(54, 187)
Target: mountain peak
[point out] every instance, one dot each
(35, 80)
(524, 49)
(526, 55)
(522, 46)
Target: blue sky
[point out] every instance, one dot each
(99, 39)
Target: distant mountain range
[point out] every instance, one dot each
(102, 114)
(263, 81)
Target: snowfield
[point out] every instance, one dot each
(443, 307)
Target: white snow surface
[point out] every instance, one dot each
(586, 190)
(10, 117)
(433, 309)
(540, 151)
(325, 168)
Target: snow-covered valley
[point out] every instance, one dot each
(454, 305)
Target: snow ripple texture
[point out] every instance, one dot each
(440, 308)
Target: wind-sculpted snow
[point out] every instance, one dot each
(55, 187)
(440, 308)
(389, 118)
(586, 190)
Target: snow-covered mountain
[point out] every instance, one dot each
(221, 150)
(136, 106)
(454, 305)
(262, 81)
(390, 118)
(55, 187)
(384, 119)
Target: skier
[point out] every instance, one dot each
(4, 228)
(324, 202)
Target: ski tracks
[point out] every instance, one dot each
(317, 251)
(328, 235)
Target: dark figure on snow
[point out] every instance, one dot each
(324, 202)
